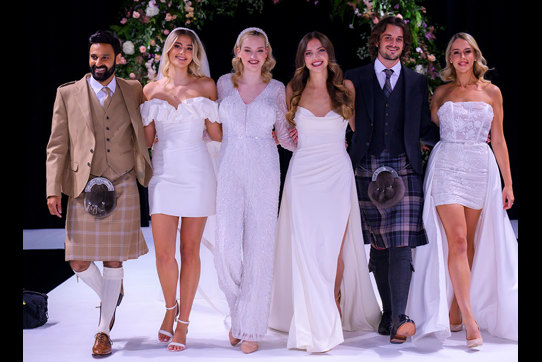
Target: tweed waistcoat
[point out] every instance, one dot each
(113, 152)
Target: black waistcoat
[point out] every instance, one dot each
(388, 119)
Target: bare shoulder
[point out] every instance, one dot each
(207, 87)
(150, 89)
(441, 93)
(494, 93)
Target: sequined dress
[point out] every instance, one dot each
(248, 182)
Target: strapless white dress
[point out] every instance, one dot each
(319, 203)
(462, 169)
(183, 181)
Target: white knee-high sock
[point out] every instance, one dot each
(93, 278)
(112, 279)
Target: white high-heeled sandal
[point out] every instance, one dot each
(177, 344)
(166, 333)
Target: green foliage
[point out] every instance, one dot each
(145, 25)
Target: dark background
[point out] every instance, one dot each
(58, 53)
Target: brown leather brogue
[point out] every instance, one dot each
(102, 345)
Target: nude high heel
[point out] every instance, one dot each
(475, 342)
(233, 341)
(249, 346)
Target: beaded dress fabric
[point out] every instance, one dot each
(248, 182)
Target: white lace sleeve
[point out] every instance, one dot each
(281, 124)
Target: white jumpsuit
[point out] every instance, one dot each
(248, 182)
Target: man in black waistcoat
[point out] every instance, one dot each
(392, 117)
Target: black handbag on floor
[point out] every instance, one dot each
(34, 309)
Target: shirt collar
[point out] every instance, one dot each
(379, 67)
(96, 86)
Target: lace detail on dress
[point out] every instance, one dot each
(461, 164)
(465, 121)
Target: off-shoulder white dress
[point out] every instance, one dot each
(183, 181)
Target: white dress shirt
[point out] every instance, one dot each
(97, 88)
(381, 75)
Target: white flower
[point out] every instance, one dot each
(152, 9)
(128, 47)
(420, 69)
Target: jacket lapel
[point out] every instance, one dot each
(129, 101)
(367, 79)
(83, 101)
(410, 103)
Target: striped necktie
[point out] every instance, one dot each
(387, 85)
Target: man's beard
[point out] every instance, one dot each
(103, 76)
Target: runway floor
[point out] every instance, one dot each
(73, 317)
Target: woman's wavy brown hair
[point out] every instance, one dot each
(237, 63)
(341, 99)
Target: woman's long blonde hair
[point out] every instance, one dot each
(480, 65)
(341, 99)
(237, 63)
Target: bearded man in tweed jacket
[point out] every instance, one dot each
(97, 132)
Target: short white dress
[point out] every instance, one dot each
(462, 169)
(183, 181)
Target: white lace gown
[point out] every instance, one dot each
(248, 183)
(319, 203)
(183, 181)
(462, 169)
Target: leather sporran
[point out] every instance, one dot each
(100, 197)
(386, 188)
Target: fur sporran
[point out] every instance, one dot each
(386, 188)
(100, 197)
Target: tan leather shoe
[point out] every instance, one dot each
(102, 345)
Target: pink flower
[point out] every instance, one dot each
(132, 76)
(142, 49)
(123, 21)
(136, 15)
(166, 32)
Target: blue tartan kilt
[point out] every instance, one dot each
(397, 226)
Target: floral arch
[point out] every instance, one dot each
(145, 24)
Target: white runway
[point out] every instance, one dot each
(69, 334)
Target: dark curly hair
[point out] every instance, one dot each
(105, 37)
(379, 29)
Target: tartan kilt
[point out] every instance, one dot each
(397, 226)
(116, 237)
